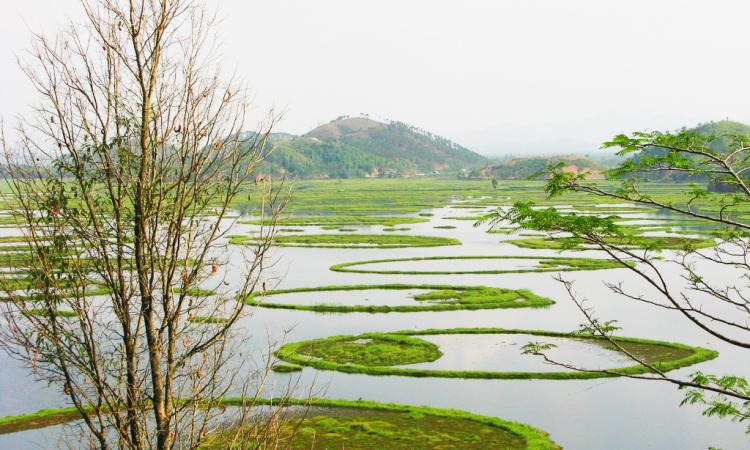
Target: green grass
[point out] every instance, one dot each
(35, 297)
(371, 350)
(649, 242)
(411, 422)
(444, 227)
(207, 320)
(44, 312)
(441, 298)
(546, 264)
(351, 241)
(286, 368)
(195, 292)
(354, 428)
(665, 356)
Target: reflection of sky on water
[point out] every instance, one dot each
(585, 414)
(502, 353)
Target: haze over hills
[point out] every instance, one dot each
(525, 167)
(351, 147)
(362, 147)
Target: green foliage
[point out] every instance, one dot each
(716, 154)
(720, 405)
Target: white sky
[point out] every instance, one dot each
(500, 76)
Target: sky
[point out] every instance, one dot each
(498, 76)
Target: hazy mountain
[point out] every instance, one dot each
(359, 146)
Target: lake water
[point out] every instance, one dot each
(618, 414)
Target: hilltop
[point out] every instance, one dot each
(351, 147)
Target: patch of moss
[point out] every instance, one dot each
(351, 241)
(441, 298)
(346, 422)
(207, 320)
(371, 350)
(665, 356)
(646, 242)
(44, 312)
(286, 368)
(337, 221)
(195, 292)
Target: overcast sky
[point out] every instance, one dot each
(499, 76)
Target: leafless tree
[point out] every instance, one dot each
(123, 183)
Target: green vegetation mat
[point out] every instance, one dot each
(326, 424)
(351, 240)
(546, 264)
(208, 320)
(377, 353)
(440, 298)
(644, 242)
(337, 221)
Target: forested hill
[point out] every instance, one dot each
(359, 147)
(523, 168)
(722, 129)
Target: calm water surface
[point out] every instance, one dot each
(582, 414)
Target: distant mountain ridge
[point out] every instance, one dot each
(523, 168)
(350, 147)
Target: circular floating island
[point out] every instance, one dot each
(461, 265)
(383, 298)
(326, 424)
(640, 242)
(350, 240)
(322, 423)
(402, 353)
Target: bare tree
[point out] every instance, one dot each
(718, 198)
(122, 184)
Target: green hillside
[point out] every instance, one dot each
(359, 146)
(722, 130)
(309, 158)
(523, 168)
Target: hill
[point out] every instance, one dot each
(358, 146)
(523, 168)
(721, 129)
